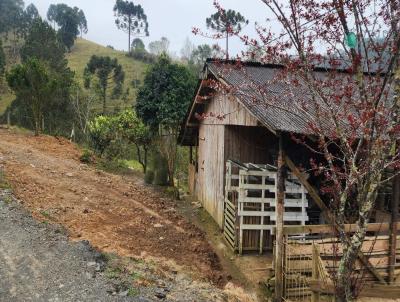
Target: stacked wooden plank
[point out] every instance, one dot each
(250, 200)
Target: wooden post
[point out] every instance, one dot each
(280, 210)
(8, 119)
(315, 272)
(394, 207)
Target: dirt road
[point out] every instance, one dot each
(37, 263)
(115, 213)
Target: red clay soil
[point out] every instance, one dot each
(115, 213)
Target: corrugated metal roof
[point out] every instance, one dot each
(272, 99)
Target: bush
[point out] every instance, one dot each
(149, 177)
(87, 156)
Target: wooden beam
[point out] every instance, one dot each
(327, 228)
(328, 214)
(394, 227)
(310, 189)
(368, 290)
(280, 209)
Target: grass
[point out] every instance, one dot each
(133, 292)
(134, 165)
(45, 214)
(77, 60)
(134, 70)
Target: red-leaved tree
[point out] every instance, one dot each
(352, 108)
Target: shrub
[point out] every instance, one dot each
(87, 156)
(149, 177)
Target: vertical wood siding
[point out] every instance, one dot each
(228, 132)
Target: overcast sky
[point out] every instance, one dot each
(173, 19)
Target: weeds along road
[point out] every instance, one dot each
(114, 213)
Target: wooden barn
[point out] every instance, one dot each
(234, 146)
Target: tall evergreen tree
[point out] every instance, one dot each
(83, 28)
(68, 20)
(131, 19)
(109, 74)
(42, 43)
(227, 23)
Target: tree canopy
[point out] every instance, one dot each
(32, 83)
(166, 93)
(71, 22)
(131, 19)
(160, 46)
(41, 42)
(10, 12)
(108, 72)
(227, 23)
(83, 28)
(138, 45)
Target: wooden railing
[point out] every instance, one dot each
(315, 252)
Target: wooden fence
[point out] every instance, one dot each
(310, 263)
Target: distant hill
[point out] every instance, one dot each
(77, 60)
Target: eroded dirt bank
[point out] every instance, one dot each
(115, 214)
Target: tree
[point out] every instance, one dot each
(227, 23)
(12, 23)
(138, 45)
(31, 82)
(41, 42)
(108, 72)
(131, 19)
(162, 104)
(69, 21)
(355, 130)
(83, 28)
(10, 12)
(159, 47)
(52, 14)
(187, 50)
(2, 60)
(201, 54)
(131, 128)
(30, 15)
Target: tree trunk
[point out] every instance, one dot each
(345, 285)
(227, 45)
(145, 160)
(142, 161)
(171, 181)
(280, 210)
(129, 35)
(104, 100)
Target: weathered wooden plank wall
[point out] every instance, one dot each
(227, 132)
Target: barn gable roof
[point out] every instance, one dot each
(264, 93)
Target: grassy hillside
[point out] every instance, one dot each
(77, 60)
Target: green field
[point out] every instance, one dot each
(77, 60)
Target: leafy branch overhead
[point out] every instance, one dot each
(131, 19)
